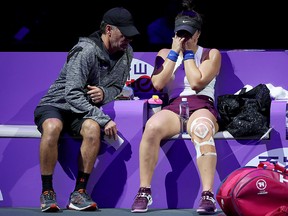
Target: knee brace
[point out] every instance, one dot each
(201, 130)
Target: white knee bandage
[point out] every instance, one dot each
(201, 130)
(205, 148)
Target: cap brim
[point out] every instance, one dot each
(187, 28)
(129, 31)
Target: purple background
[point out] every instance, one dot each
(26, 76)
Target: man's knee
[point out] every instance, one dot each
(90, 128)
(52, 126)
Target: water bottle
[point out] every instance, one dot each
(184, 115)
(155, 105)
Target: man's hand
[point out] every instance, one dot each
(95, 93)
(110, 130)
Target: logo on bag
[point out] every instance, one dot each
(222, 203)
(282, 179)
(261, 185)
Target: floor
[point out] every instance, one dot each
(101, 212)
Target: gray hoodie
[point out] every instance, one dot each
(87, 64)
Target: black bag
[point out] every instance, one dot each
(246, 114)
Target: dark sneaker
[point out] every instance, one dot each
(81, 201)
(142, 200)
(48, 202)
(207, 204)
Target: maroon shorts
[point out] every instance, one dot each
(196, 102)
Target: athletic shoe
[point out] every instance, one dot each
(81, 201)
(207, 204)
(48, 202)
(142, 200)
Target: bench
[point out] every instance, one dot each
(26, 76)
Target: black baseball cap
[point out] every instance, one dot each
(187, 24)
(122, 19)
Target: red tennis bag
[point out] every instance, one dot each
(254, 191)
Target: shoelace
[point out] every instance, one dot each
(84, 194)
(143, 195)
(207, 197)
(50, 195)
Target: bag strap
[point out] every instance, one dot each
(272, 166)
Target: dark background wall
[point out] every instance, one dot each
(227, 25)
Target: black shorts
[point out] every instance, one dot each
(195, 102)
(72, 121)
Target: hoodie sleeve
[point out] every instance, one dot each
(78, 67)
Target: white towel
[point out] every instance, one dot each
(278, 93)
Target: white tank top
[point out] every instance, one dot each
(179, 85)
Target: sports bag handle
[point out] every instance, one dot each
(272, 166)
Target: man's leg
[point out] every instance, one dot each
(52, 128)
(79, 198)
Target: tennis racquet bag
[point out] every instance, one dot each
(254, 191)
